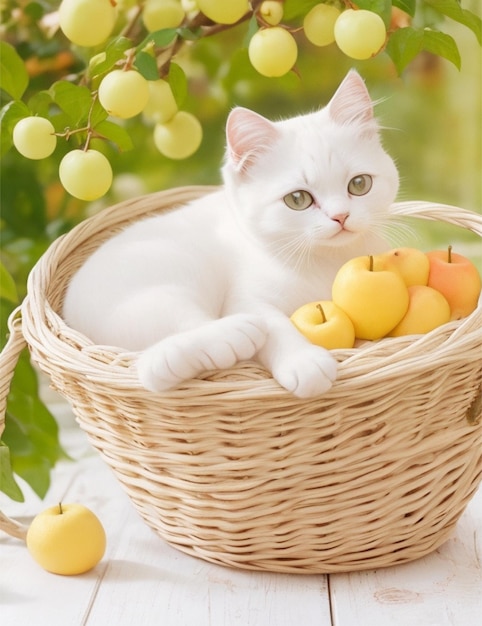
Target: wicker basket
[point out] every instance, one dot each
(235, 470)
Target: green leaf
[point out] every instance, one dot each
(114, 52)
(34, 10)
(408, 6)
(441, 44)
(74, 100)
(11, 113)
(8, 484)
(8, 290)
(405, 43)
(161, 38)
(294, 9)
(403, 46)
(115, 133)
(35, 471)
(25, 378)
(98, 114)
(40, 103)
(13, 74)
(178, 82)
(253, 28)
(188, 34)
(147, 66)
(382, 7)
(452, 9)
(31, 432)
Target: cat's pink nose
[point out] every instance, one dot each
(340, 218)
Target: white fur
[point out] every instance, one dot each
(214, 282)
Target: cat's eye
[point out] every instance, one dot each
(360, 185)
(298, 200)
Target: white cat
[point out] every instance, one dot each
(214, 282)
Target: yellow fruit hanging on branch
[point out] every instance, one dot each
(85, 174)
(360, 34)
(222, 11)
(159, 14)
(34, 137)
(180, 137)
(319, 24)
(273, 51)
(87, 22)
(123, 94)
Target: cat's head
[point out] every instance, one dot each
(322, 179)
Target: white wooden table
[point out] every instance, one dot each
(141, 581)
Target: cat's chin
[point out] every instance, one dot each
(355, 243)
(352, 242)
(342, 237)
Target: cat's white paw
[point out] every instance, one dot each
(308, 373)
(220, 344)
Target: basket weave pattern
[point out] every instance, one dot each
(233, 469)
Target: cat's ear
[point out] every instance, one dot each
(352, 104)
(248, 135)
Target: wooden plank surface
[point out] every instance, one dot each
(144, 582)
(442, 589)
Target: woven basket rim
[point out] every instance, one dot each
(116, 364)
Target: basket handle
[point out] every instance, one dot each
(8, 360)
(12, 527)
(434, 211)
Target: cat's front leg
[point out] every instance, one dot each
(296, 364)
(218, 344)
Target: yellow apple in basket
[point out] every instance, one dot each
(427, 310)
(412, 264)
(375, 299)
(457, 278)
(66, 539)
(325, 324)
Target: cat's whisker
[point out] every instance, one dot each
(382, 127)
(400, 228)
(295, 252)
(292, 252)
(395, 229)
(310, 240)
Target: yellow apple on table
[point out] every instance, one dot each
(457, 278)
(427, 310)
(375, 299)
(412, 264)
(325, 324)
(66, 539)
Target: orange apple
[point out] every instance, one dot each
(375, 299)
(325, 324)
(412, 264)
(457, 278)
(427, 309)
